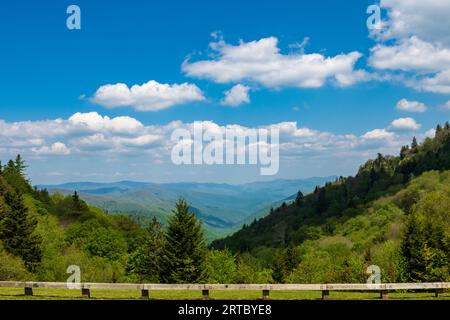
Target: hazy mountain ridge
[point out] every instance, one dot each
(222, 207)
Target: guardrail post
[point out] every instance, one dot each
(384, 294)
(28, 291)
(325, 294)
(205, 294)
(86, 293)
(438, 293)
(265, 294)
(145, 294)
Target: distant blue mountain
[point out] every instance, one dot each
(222, 207)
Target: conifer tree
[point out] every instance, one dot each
(414, 144)
(20, 165)
(17, 232)
(185, 248)
(299, 198)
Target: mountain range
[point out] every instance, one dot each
(223, 208)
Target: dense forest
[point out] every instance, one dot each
(395, 213)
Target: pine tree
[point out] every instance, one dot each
(17, 232)
(447, 125)
(299, 198)
(20, 165)
(411, 249)
(185, 248)
(414, 144)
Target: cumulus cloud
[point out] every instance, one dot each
(236, 96)
(378, 134)
(411, 106)
(405, 124)
(261, 61)
(438, 83)
(150, 96)
(411, 54)
(57, 148)
(94, 122)
(91, 134)
(415, 43)
(426, 19)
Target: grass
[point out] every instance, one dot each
(65, 294)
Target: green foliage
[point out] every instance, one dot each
(13, 268)
(145, 262)
(426, 241)
(17, 232)
(343, 199)
(394, 213)
(284, 263)
(93, 268)
(329, 262)
(249, 270)
(220, 266)
(185, 248)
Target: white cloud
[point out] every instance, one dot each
(439, 83)
(150, 96)
(378, 134)
(415, 44)
(261, 62)
(426, 19)
(236, 96)
(89, 134)
(411, 54)
(411, 106)
(405, 124)
(95, 122)
(57, 148)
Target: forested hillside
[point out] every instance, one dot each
(395, 213)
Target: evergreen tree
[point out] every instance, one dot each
(17, 232)
(14, 174)
(20, 165)
(185, 248)
(299, 198)
(414, 144)
(411, 249)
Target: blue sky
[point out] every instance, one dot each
(48, 72)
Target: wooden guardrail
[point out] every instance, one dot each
(383, 288)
